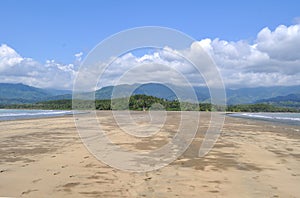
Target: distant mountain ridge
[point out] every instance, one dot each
(234, 96)
(20, 93)
(168, 92)
(252, 95)
(290, 101)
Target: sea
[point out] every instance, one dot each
(16, 114)
(283, 118)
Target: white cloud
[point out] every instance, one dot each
(281, 44)
(163, 66)
(17, 69)
(8, 57)
(78, 56)
(273, 58)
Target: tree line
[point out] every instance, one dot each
(145, 102)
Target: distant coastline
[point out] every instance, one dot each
(21, 114)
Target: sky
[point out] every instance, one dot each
(254, 43)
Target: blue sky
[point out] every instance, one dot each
(58, 29)
(254, 43)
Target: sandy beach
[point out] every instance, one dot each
(46, 158)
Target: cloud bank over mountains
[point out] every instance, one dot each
(17, 69)
(273, 58)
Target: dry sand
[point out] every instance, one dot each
(45, 158)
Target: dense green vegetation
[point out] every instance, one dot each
(55, 105)
(281, 96)
(144, 102)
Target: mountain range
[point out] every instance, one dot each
(289, 101)
(20, 93)
(277, 95)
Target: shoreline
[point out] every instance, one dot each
(268, 120)
(39, 114)
(230, 114)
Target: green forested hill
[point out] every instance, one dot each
(255, 94)
(144, 102)
(24, 94)
(21, 92)
(291, 101)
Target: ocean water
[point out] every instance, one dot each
(16, 114)
(285, 118)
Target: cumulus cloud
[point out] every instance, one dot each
(273, 58)
(162, 66)
(8, 57)
(281, 44)
(17, 69)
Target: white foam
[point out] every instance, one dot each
(274, 116)
(31, 113)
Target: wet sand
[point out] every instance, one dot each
(46, 158)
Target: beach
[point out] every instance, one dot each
(45, 157)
